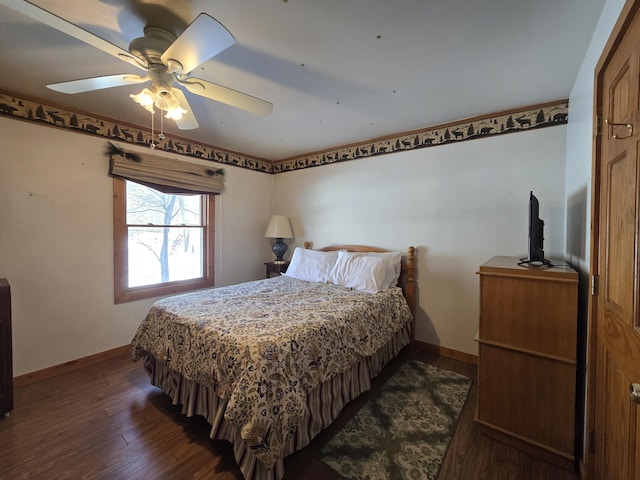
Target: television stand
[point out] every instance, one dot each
(527, 358)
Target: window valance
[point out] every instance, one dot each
(169, 175)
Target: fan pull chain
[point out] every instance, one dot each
(161, 136)
(153, 145)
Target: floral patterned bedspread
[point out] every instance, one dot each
(263, 345)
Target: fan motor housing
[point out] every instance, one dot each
(160, 78)
(151, 47)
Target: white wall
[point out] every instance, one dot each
(459, 204)
(56, 243)
(579, 142)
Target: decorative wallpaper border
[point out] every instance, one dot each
(533, 117)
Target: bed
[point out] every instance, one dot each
(271, 363)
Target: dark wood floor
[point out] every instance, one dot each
(106, 422)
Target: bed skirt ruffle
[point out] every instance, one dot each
(324, 404)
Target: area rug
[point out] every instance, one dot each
(403, 430)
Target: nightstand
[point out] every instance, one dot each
(276, 268)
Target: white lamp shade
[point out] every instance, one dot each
(279, 227)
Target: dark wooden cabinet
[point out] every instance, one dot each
(6, 359)
(527, 357)
(275, 268)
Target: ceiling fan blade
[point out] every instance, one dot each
(97, 83)
(203, 39)
(62, 25)
(188, 120)
(227, 95)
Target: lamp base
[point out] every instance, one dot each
(279, 248)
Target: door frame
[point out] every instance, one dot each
(619, 30)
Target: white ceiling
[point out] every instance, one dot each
(336, 71)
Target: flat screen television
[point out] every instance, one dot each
(536, 234)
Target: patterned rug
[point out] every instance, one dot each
(404, 429)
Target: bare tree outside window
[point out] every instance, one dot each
(165, 236)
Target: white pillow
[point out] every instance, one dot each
(334, 274)
(392, 270)
(362, 272)
(311, 265)
(394, 267)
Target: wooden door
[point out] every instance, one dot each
(617, 348)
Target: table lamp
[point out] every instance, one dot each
(279, 228)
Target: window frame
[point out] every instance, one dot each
(122, 293)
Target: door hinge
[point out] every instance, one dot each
(592, 440)
(598, 126)
(595, 284)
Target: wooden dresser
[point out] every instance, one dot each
(6, 359)
(527, 357)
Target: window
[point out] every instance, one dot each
(163, 243)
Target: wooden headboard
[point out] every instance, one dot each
(407, 279)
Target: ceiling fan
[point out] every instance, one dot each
(168, 61)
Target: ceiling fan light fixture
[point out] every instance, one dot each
(165, 100)
(162, 98)
(176, 113)
(146, 99)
